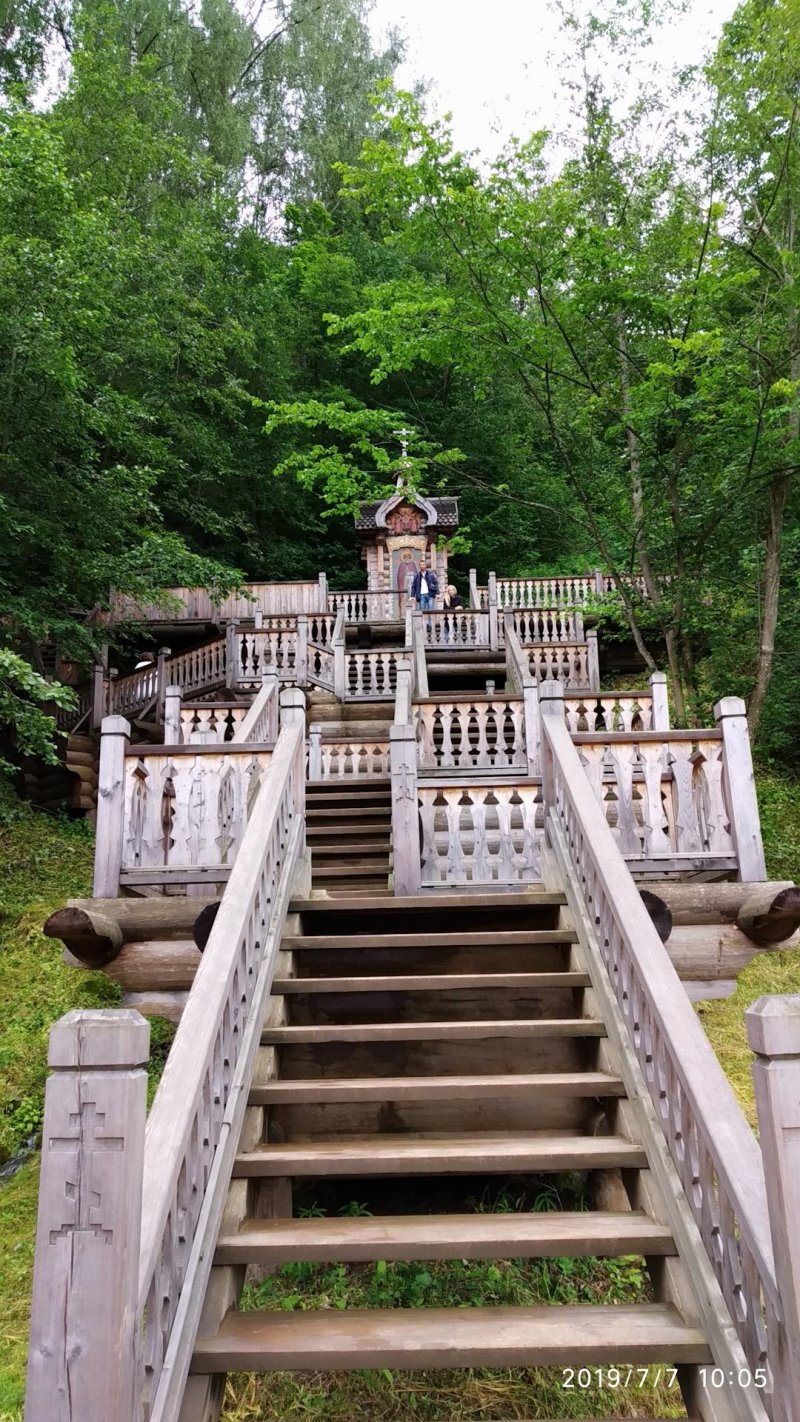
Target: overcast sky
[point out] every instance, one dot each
(492, 64)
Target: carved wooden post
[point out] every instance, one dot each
(323, 592)
(773, 1031)
(339, 657)
(599, 582)
(592, 661)
(405, 814)
(258, 619)
(658, 687)
(579, 628)
(84, 1316)
(492, 598)
(409, 626)
(474, 599)
(172, 716)
(420, 662)
(110, 807)
(163, 676)
(269, 677)
(729, 714)
(551, 703)
(231, 654)
(293, 710)
(315, 753)
(99, 696)
(301, 654)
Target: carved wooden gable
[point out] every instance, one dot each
(405, 519)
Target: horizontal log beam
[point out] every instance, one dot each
(94, 930)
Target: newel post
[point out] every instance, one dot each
(492, 600)
(269, 678)
(551, 703)
(323, 592)
(658, 688)
(599, 582)
(315, 753)
(474, 600)
(231, 654)
(84, 1315)
(292, 712)
(114, 742)
(592, 660)
(172, 716)
(773, 1031)
(301, 653)
(405, 814)
(730, 716)
(99, 696)
(162, 674)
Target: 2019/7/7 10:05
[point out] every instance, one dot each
(574, 1379)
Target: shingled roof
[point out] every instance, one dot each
(446, 509)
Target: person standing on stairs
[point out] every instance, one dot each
(425, 587)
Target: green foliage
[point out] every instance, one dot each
(23, 693)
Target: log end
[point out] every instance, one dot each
(91, 937)
(659, 913)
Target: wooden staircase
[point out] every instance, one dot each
(348, 830)
(412, 1041)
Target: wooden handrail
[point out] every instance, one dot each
(714, 1151)
(203, 1089)
(261, 721)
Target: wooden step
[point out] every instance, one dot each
(318, 818)
(425, 904)
(316, 788)
(344, 847)
(553, 1235)
(354, 869)
(499, 938)
(570, 1335)
(434, 982)
(441, 1155)
(435, 1031)
(354, 829)
(435, 1088)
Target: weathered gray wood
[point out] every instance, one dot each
(301, 653)
(773, 1031)
(93, 938)
(172, 716)
(405, 816)
(315, 753)
(730, 716)
(339, 655)
(169, 1005)
(476, 1236)
(499, 1337)
(140, 919)
(110, 806)
(693, 901)
(658, 689)
(155, 966)
(231, 654)
(81, 1360)
(412, 1155)
(592, 660)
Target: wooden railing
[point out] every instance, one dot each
(482, 833)
(186, 809)
(456, 630)
(569, 663)
(537, 625)
(207, 722)
(197, 605)
(346, 758)
(714, 1152)
(360, 605)
(370, 676)
(471, 732)
(114, 1319)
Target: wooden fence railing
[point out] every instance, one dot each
(485, 833)
(476, 733)
(115, 1313)
(456, 630)
(714, 1152)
